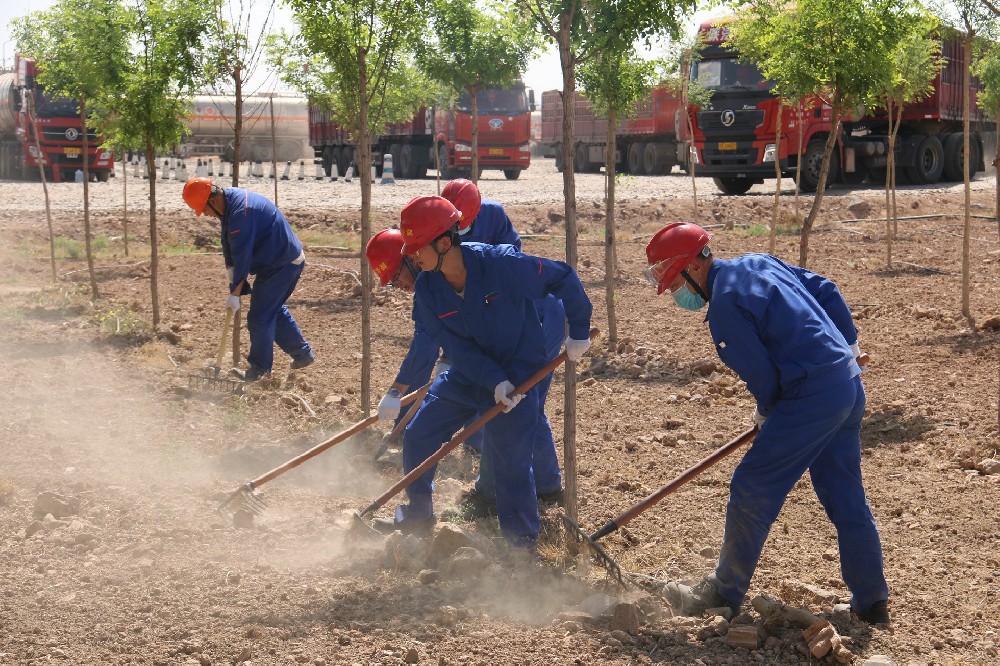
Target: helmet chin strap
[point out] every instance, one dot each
(694, 285)
(440, 257)
(409, 267)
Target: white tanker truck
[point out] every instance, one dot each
(212, 120)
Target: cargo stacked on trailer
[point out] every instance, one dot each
(58, 126)
(650, 142)
(504, 123)
(734, 135)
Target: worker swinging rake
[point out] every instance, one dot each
(360, 518)
(597, 551)
(245, 497)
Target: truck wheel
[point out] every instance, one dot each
(733, 185)
(656, 159)
(343, 156)
(812, 161)
(328, 159)
(103, 175)
(405, 167)
(581, 162)
(396, 151)
(511, 174)
(443, 169)
(559, 157)
(635, 154)
(928, 161)
(954, 151)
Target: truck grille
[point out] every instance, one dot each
(711, 121)
(742, 156)
(58, 135)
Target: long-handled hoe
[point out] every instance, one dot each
(245, 497)
(360, 518)
(597, 551)
(397, 430)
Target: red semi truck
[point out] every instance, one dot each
(59, 131)
(650, 142)
(734, 135)
(504, 116)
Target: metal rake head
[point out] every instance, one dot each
(244, 499)
(597, 552)
(211, 382)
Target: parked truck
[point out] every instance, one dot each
(504, 116)
(734, 135)
(649, 142)
(212, 119)
(59, 131)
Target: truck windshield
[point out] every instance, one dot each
(493, 101)
(729, 74)
(54, 107)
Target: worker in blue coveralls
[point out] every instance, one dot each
(476, 302)
(788, 334)
(486, 221)
(257, 240)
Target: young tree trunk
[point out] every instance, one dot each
(237, 125)
(692, 151)
(831, 144)
(274, 151)
(45, 184)
(364, 158)
(776, 213)
(474, 108)
(609, 227)
(125, 202)
(798, 163)
(568, 62)
(85, 155)
(153, 244)
(967, 228)
(888, 194)
(892, 175)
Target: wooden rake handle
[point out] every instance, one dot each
(626, 516)
(465, 433)
(220, 357)
(333, 441)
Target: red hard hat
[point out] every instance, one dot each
(196, 193)
(670, 251)
(424, 219)
(384, 254)
(467, 199)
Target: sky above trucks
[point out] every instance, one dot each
(543, 73)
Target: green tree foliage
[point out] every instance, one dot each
(79, 48)
(836, 50)
(475, 46)
(614, 81)
(152, 100)
(358, 46)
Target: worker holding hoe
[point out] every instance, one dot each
(257, 240)
(788, 334)
(477, 302)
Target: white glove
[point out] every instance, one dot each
(233, 303)
(758, 418)
(575, 349)
(230, 274)
(388, 407)
(504, 394)
(856, 350)
(441, 368)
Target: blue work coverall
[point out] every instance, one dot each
(257, 240)
(787, 333)
(491, 333)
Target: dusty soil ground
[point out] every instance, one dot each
(132, 564)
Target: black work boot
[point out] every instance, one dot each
(877, 614)
(475, 505)
(302, 362)
(694, 601)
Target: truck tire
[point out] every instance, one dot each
(406, 167)
(328, 160)
(511, 174)
(396, 150)
(559, 157)
(928, 161)
(812, 161)
(953, 153)
(635, 154)
(733, 185)
(656, 159)
(444, 170)
(581, 163)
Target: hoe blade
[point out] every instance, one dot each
(597, 552)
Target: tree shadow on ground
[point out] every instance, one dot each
(890, 427)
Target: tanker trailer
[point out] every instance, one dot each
(212, 121)
(12, 164)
